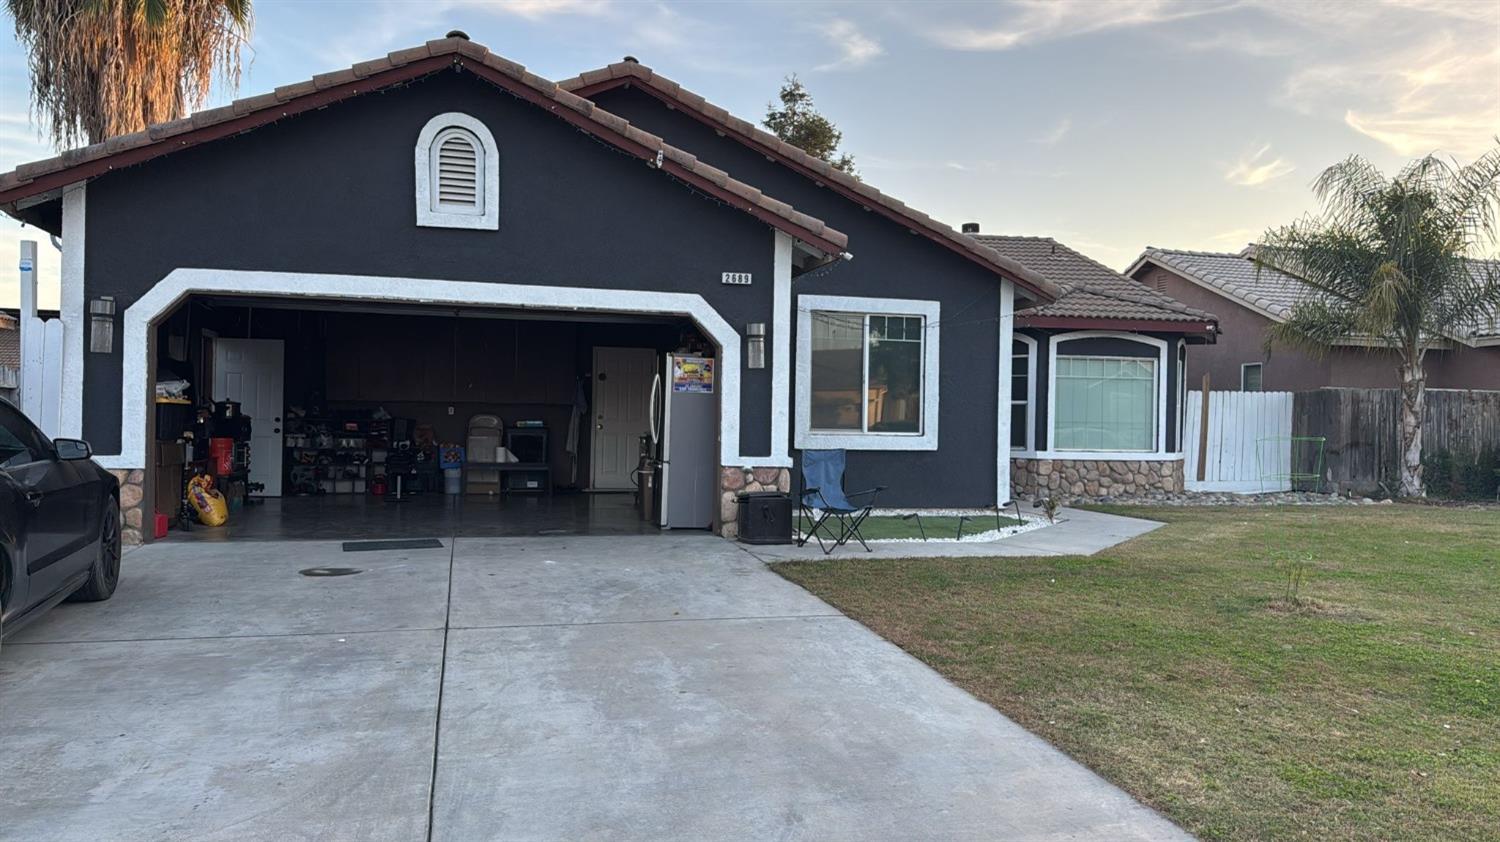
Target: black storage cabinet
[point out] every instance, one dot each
(765, 518)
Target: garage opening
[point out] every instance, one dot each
(339, 420)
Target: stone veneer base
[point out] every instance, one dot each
(734, 481)
(1036, 478)
(132, 505)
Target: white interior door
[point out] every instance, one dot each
(250, 371)
(621, 413)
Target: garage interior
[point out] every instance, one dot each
(344, 420)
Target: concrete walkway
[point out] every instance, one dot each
(665, 687)
(1076, 532)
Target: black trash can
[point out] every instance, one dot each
(765, 517)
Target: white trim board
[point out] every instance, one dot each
(1161, 396)
(179, 283)
(781, 342)
(808, 439)
(427, 216)
(1002, 395)
(71, 306)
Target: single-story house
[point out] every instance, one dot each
(1073, 432)
(1249, 300)
(440, 238)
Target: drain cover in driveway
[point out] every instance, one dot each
(409, 544)
(330, 571)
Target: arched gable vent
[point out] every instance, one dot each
(457, 174)
(458, 170)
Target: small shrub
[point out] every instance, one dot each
(1462, 474)
(1050, 505)
(1295, 567)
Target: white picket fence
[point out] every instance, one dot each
(1249, 442)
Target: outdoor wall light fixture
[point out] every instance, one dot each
(102, 325)
(755, 345)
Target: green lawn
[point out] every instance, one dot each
(1172, 666)
(936, 528)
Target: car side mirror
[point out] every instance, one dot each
(72, 449)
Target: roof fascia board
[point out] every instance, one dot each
(1134, 325)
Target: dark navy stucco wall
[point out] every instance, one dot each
(889, 262)
(333, 191)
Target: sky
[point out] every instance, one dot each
(1111, 125)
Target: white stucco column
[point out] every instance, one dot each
(1002, 409)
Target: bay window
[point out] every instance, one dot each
(1105, 403)
(867, 373)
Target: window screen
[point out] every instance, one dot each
(1106, 403)
(1020, 394)
(1250, 377)
(867, 372)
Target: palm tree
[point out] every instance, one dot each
(101, 68)
(1391, 261)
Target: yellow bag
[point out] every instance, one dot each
(210, 505)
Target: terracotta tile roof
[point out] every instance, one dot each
(1091, 290)
(251, 112)
(591, 82)
(1274, 293)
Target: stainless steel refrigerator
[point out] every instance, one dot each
(685, 430)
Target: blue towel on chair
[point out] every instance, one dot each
(824, 470)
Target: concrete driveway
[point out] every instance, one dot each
(662, 687)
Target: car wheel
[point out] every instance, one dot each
(104, 574)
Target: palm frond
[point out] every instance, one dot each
(101, 68)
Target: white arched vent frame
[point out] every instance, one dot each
(438, 129)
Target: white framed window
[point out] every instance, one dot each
(867, 373)
(1023, 394)
(1100, 411)
(1250, 377)
(457, 174)
(1106, 403)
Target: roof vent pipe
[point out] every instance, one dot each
(457, 33)
(970, 228)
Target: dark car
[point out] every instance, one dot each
(59, 522)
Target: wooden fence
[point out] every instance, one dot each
(1362, 428)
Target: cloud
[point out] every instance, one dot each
(1438, 94)
(1257, 169)
(855, 48)
(538, 9)
(1055, 135)
(1033, 21)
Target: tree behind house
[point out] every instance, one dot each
(797, 122)
(1392, 261)
(101, 68)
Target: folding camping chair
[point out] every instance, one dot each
(824, 502)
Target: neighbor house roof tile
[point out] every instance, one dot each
(1274, 293)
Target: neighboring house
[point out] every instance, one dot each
(10, 357)
(1248, 301)
(470, 193)
(1097, 394)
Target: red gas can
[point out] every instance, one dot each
(221, 455)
